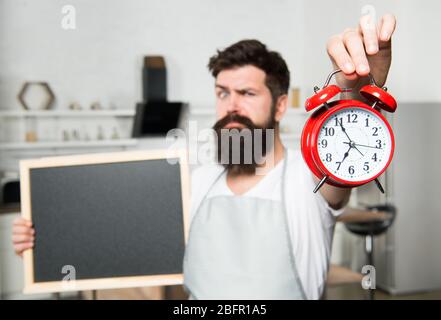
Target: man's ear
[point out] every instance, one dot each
(281, 106)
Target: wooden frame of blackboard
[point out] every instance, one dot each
(30, 286)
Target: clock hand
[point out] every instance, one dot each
(358, 150)
(345, 156)
(363, 145)
(350, 140)
(353, 145)
(344, 130)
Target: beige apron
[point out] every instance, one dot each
(239, 248)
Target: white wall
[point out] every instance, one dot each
(101, 59)
(414, 75)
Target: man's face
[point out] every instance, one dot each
(243, 91)
(244, 102)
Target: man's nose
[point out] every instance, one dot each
(233, 103)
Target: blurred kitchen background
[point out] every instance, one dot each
(90, 80)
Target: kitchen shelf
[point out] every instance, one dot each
(67, 144)
(67, 113)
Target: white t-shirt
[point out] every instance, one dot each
(269, 187)
(311, 220)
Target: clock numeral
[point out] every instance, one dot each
(366, 166)
(324, 143)
(329, 131)
(375, 134)
(339, 164)
(338, 121)
(367, 122)
(374, 157)
(352, 118)
(379, 144)
(328, 157)
(351, 170)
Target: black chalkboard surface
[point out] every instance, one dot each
(106, 220)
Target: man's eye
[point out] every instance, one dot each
(222, 94)
(249, 94)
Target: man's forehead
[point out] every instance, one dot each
(241, 77)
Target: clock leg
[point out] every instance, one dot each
(377, 182)
(319, 185)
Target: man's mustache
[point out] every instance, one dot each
(242, 155)
(232, 117)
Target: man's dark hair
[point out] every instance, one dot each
(255, 53)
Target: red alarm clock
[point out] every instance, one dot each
(348, 143)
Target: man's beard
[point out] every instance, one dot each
(242, 150)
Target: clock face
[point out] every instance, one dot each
(354, 144)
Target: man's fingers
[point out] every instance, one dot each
(354, 45)
(368, 28)
(387, 27)
(22, 221)
(337, 51)
(21, 238)
(19, 229)
(19, 248)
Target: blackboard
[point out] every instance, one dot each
(105, 220)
